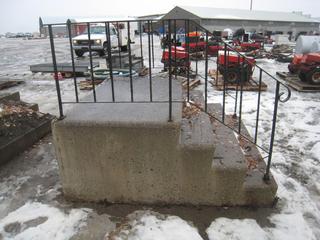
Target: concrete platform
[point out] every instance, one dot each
(130, 153)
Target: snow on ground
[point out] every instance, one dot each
(35, 220)
(155, 226)
(295, 163)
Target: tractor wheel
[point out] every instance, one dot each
(302, 76)
(314, 76)
(79, 53)
(292, 69)
(232, 75)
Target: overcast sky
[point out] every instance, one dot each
(22, 15)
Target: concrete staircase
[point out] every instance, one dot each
(130, 153)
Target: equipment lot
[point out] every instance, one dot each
(31, 197)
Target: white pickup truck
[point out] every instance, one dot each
(98, 38)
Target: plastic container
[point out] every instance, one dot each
(307, 44)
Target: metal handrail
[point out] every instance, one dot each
(188, 25)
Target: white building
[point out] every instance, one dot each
(253, 21)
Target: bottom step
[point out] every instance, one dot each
(231, 148)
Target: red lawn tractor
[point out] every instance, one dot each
(307, 66)
(178, 59)
(236, 66)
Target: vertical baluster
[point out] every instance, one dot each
(149, 52)
(206, 75)
(130, 61)
(72, 61)
(164, 43)
(91, 64)
(152, 44)
(188, 61)
(170, 72)
(258, 107)
(175, 47)
(274, 120)
(109, 58)
(225, 79)
(141, 49)
(197, 50)
(55, 69)
(119, 45)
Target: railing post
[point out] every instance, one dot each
(188, 61)
(170, 72)
(55, 69)
(206, 75)
(141, 50)
(149, 56)
(225, 79)
(109, 58)
(152, 44)
(91, 64)
(197, 50)
(119, 46)
(175, 47)
(72, 60)
(130, 61)
(273, 129)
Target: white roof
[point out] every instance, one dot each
(52, 20)
(226, 13)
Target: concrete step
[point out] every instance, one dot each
(237, 155)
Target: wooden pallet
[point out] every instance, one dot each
(192, 83)
(294, 82)
(9, 84)
(251, 85)
(87, 84)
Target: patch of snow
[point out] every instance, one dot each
(315, 151)
(56, 225)
(235, 229)
(158, 227)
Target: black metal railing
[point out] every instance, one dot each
(175, 65)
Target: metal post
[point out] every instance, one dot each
(149, 52)
(54, 62)
(206, 75)
(91, 64)
(274, 121)
(109, 58)
(188, 61)
(130, 61)
(141, 50)
(225, 79)
(72, 61)
(152, 45)
(197, 50)
(119, 46)
(175, 47)
(170, 73)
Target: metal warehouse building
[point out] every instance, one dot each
(254, 21)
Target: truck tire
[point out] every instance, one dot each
(79, 53)
(313, 76)
(105, 50)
